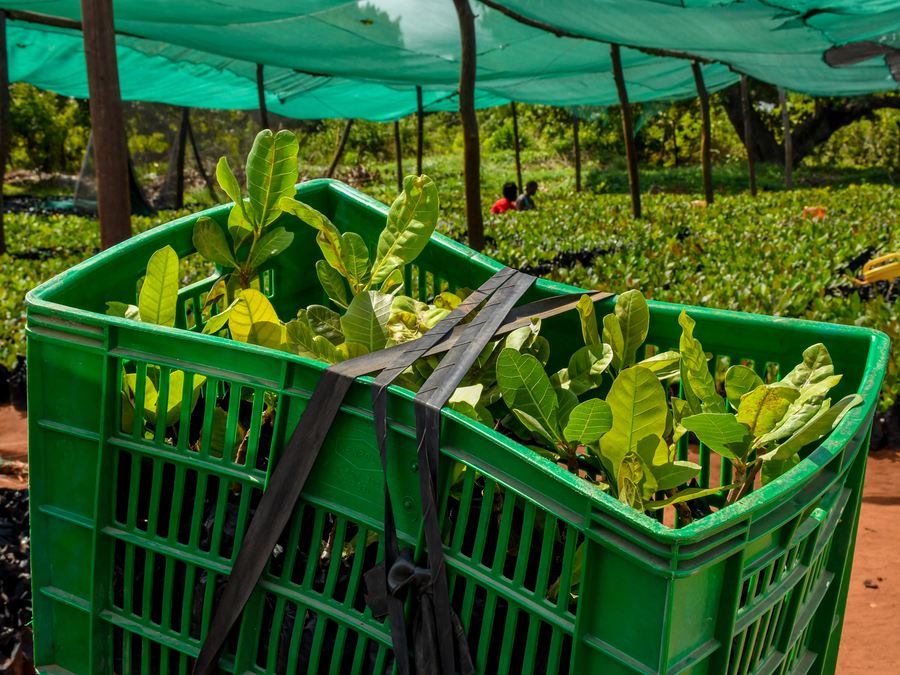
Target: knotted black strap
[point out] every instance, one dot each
(290, 474)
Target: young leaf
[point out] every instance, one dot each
(720, 432)
(697, 382)
(522, 338)
(329, 237)
(586, 367)
(822, 423)
(251, 307)
(269, 245)
(355, 257)
(210, 242)
(588, 321)
(588, 421)
(238, 226)
(800, 411)
(333, 283)
(230, 185)
(410, 222)
(470, 395)
(630, 480)
(740, 380)
(816, 366)
(664, 364)
(567, 403)
(525, 387)
(366, 320)
(271, 173)
(638, 404)
(634, 320)
(325, 322)
(672, 474)
(159, 294)
(612, 335)
(762, 408)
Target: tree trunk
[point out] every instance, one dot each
(788, 142)
(746, 111)
(4, 121)
(472, 149)
(110, 146)
(515, 119)
(706, 133)
(628, 132)
(261, 94)
(345, 134)
(576, 142)
(398, 150)
(420, 130)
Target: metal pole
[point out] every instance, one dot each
(788, 141)
(576, 141)
(340, 149)
(4, 121)
(179, 159)
(746, 111)
(261, 94)
(472, 150)
(628, 131)
(110, 146)
(706, 133)
(420, 130)
(515, 118)
(398, 149)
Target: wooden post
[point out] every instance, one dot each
(179, 159)
(398, 149)
(706, 133)
(110, 145)
(748, 133)
(515, 117)
(340, 149)
(577, 143)
(420, 130)
(628, 131)
(4, 121)
(788, 141)
(196, 150)
(472, 149)
(261, 94)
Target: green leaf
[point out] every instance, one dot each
(350, 350)
(634, 321)
(567, 403)
(638, 404)
(238, 226)
(355, 257)
(366, 320)
(329, 237)
(217, 322)
(269, 245)
(740, 380)
(470, 395)
(301, 339)
(522, 338)
(815, 367)
(774, 468)
(176, 394)
(536, 427)
(227, 181)
(394, 282)
(588, 318)
(410, 222)
(821, 424)
(612, 335)
(271, 173)
(333, 283)
(664, 364)
(672, 474)
(250, 308)
(325, 322)
(630, 481)
(159, 294)
(210, 242)
(687, 494)
(720, 432)
(525, 387)
(123, 310)
(800, 411)
(588, 421)
(586, 367)
(762, 408)
(697, 382)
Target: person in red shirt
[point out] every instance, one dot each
(508, 201)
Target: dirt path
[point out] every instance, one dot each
(869, 645)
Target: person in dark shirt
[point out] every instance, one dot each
(508, 201)
(525, 202)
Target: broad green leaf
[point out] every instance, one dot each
(634, 321)
(762, 408)
(266, 334)
(269, 245)
(800, 411)
(410, 222)
(333, 283)
(567, 403)
(523, 337)
(630, 480)
(123, 310)
(366, 320)
(588, 321)
(238, 226)
(326, 323)
(588, 421)
(672, 474)
(227, 181)
(328, 238)
(638, 404)
(687, 494)
(816, 366)
(394, 282)
(210, 242)
(774, 468)
(325, 351)
(159, 294)
(587, 365)
(271, 173)
(536, 427)
(355, 257)
(720, 432)
(612, 335)
(250, 308)
(696, 380)
(176, 394)
(470, 395)
(740, 380)
(821, 424)
(664, 364)
(525, 387)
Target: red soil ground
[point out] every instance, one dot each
(870, 643)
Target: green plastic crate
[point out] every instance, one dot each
(133, 536)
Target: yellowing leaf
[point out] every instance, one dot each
(159, 294)
(250, 308)
(761, 409)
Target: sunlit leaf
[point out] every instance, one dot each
(159, 294)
